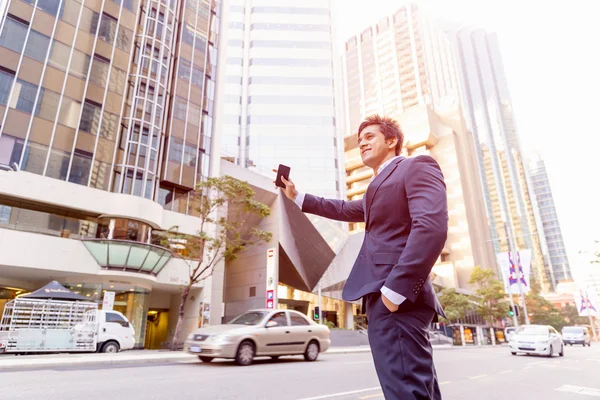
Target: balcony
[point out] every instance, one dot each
(128, 256)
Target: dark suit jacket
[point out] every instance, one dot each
(406, 215)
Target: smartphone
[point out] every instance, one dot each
(284, 171)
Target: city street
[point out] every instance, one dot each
(471, 373)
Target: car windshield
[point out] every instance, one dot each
(533, 330)
(249, 318)
(572, 329)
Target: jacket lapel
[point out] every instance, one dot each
(372, 189)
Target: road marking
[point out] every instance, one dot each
(579, 390)
(478, 376)
(527, 367)
(328, 396)
(508, 371)
(537, 363)
(444, 383)
(371, 396)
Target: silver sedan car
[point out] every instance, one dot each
(260, 333)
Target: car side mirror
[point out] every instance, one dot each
(271, 324)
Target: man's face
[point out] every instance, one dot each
(374, 148)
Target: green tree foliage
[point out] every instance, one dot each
(490, 301)
(455, 305)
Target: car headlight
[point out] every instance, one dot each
(190, 336)
(221, 338)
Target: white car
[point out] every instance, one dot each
(541, 340)
(260, 333)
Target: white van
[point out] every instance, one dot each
(576, 335)
(113, 330)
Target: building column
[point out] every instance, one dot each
(349, 316)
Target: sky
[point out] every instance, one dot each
(552, 63)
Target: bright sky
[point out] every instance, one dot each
(552, 63)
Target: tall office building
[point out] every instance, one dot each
(402, 61)
(489, 116)
(279, 91)
(403, 67)
(106, 108)
(561, 271)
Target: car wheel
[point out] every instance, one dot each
(551, 352)
(562, 351)
(514, 353)
(205, 359)
(245, 353)
(274, 358)
(110, 347)
(312, 351)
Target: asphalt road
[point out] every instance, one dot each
(472, 373)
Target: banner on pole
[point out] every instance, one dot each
(515, 270)
(587, 303)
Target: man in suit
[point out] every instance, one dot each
(406, 216)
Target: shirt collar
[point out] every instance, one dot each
(385, 164)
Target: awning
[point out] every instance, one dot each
(54, 290)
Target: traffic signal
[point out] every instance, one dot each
(316, 313)
(517, 310)
(511, 312)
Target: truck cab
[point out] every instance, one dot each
(115, 332)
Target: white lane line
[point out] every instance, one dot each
(329, 396)
(478, 376)
(579, 390)
(508, 371)
(444, 383)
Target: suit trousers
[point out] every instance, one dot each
(401, 350)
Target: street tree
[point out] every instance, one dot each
(228, 218)
(571, 316)
(490, 297)
(455, 305)
(540, 310)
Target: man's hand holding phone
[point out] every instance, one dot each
(289, 189)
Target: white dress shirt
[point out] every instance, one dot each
(392, 296)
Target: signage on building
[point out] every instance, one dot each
(108, 302)
(271, 278)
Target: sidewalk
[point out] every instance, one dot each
(8, 361)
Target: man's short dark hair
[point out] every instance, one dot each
(388, 126)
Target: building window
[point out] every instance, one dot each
(23, 96)
(90, 118)
(108, 29)
(99, 73)
(117, 80)
(252, 291)
(13, 35)
(79, 64)
(10, 149)
(80, 168)
(292, 27)
(6, 81)
(185, 69)
(49, 6)
(70, 11)
(179, 108)
(109, 126)
(58, 164)
(69, 113)
(124, 38)
(47, 104)
(291, 10)
(59, 55)
(37, 46)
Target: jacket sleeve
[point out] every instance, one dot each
(427, 205)
(339, 210)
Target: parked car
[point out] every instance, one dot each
(576, 335)
(536, 339)
(258, 333)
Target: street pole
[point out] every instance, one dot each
(516, 261)
(512, 306)
(320, 308)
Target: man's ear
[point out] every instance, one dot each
(392, 143)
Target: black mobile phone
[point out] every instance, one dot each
(284, 171)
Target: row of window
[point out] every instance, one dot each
(291, 120)
(265, 99)
(291, 10)
(32, 158)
